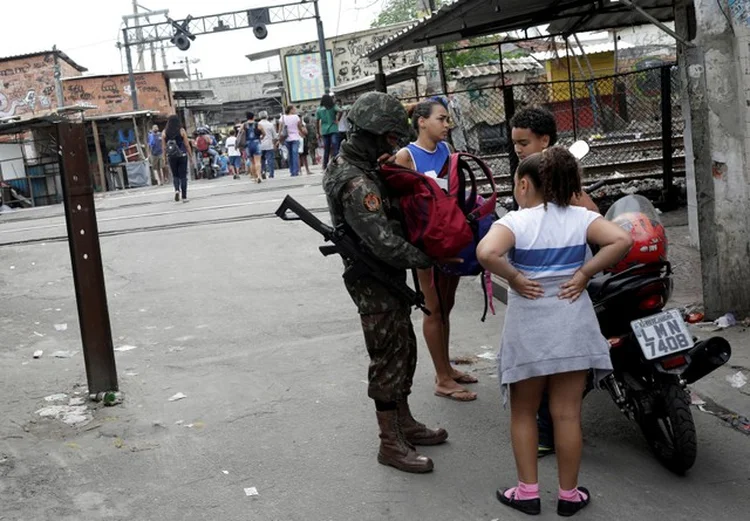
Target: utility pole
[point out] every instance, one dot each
(715, 92)
(58, 79)
(164, 56)
(129, 59)
(322, 47)
(139, 64)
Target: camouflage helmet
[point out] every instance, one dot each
(379, 114)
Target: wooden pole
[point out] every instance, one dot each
(99, 158)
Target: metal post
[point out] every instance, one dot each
(381, 84)
(572, 93)
(510, 110)
(666, 135)
(322, 46)
(131, 76)
(86, 259)
(58, 79)
(441, 67)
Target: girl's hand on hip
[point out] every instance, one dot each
(573, 288)
(526, 288)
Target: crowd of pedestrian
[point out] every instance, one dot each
(259, 145)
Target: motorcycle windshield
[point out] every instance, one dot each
(631, 204)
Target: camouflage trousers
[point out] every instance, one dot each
(392, 347)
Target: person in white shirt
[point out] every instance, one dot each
(551, 336)
(268, 144)
(235, 156)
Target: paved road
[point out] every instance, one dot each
(243, 316)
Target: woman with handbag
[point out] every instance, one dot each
(292, 131)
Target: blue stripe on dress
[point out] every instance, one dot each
(549, 257)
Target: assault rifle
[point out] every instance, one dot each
(358, 261)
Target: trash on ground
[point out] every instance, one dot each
(125, 348)
(225, 472)
(108, 398)
(726, 321)
(56, 397)
(69, 414)
(488, 355)
(38, 353)
(746, 322)
(130, 373)
(179, 422)
(37, 333)
(12, 267)
(77, 401)
(696, 400)
(737, 380)
(178, 396)
(694, 318)
(740, 423)
(119, 443)
(63, 354)
(251, 491)
(61, 327)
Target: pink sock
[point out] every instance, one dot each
(574, 496)
(523, 491)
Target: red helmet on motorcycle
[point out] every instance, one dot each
(649, 240)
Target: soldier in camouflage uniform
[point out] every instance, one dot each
(358, 198)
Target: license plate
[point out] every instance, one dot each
(662, 335)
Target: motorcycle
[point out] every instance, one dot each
(206, 168)
(653, 354)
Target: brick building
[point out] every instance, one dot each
(27, 82)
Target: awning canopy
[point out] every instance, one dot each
(123, 115)
(463, 19)
(192, 94)
(410, 72)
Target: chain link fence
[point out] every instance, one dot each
(620, 116)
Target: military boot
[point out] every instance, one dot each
(417, 433)
(394, 450)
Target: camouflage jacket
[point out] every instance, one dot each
(359, 199)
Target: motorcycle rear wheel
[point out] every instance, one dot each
(670, 429)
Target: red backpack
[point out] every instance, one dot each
(440, 215)
(203, 143)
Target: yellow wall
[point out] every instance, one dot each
(603, 64)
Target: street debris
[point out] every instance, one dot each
(61, 327)
(77, 401)
(38, 353)
(179, 422)
(737, 380)
(225, 472)
(119, 443)
(251, 491)
(696, 400)
(108, 398)
(178, 396)
(125, 348)
(56, 397)
(37, 333)
(487, 355)
(726, 321)
(63, 354)
(740, 423)
(69, 414)
(12, 267)
(130, 373)
(746, 322)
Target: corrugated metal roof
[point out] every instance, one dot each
(526, 63)
(367, 83)
(597, 48)
(60, 54)
(462, 19)
(172, 74)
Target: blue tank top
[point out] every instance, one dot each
(430, 163)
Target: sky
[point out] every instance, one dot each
(88, 30)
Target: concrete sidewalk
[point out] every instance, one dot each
(253, 326)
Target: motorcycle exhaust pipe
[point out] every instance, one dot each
(705, 357)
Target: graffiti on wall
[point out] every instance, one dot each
(26, 86)
(740, 10)
(112, 94)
